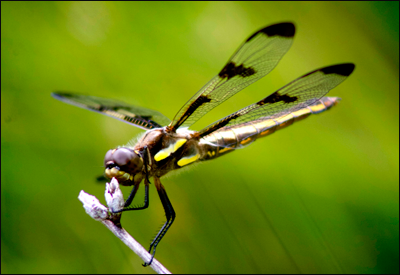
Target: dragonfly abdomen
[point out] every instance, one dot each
(229, 138)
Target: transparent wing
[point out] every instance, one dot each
(134, 115)
(256, 57)
(298, 94)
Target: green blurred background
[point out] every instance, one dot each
(319, 197)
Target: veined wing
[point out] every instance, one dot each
(300, 93)
(138, 116)
(256, 57)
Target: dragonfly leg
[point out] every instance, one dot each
(169, 213)
(129, 200)
(146, 200)
(131, 196)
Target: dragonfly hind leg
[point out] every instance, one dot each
(169, 213)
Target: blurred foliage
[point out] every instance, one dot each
(319, 197)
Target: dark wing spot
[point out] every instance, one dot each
(116, 108)
(226, 120)
(103, 108)
(198, 102)
(220, 124)
(281, 29)
(230, 70)
(276, 97)
(192, 108)
(341, 69)
(100, 108)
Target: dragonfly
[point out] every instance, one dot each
(169, 145)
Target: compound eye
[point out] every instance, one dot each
(108, 157)
(123, 156)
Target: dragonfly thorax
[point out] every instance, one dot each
(125, 165)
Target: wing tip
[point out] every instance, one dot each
(344, 69)
(284, 29)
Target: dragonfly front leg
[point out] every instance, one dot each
(129, 200)
(169, 213)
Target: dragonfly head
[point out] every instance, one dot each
(125, 165)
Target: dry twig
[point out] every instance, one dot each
(99, 212)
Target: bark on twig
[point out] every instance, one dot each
(99, 212)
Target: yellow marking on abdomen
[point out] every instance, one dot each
(266, 127)
(166, 152)
(317, 108)
(187, 160)
(284, 121)
(225, 149)
(245, 141)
